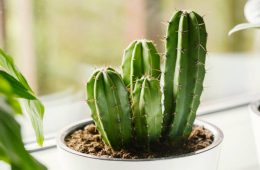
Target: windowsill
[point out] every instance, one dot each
(238, 152)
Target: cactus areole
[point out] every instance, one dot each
(144, 105)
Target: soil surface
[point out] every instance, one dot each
(88, 140)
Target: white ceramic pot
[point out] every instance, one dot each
(255, 119)
(204, 159)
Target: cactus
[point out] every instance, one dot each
(140, 58)
(108, 101)
(147, 112)
(186, 51)
(148, 118)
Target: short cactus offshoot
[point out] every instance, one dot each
(147, 112)
(108, 100)
(133, 110)
(140, 58)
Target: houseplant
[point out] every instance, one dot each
(252, 14)
(144, 114)
(17, 97)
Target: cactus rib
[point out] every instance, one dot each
(169, 71)
(127, 57)
(92, 105)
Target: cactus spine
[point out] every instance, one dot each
(147, 112)
(108, 101)
(189, 72)
(140, 58)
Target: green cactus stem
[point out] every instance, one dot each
(140, 58)
(147, 112)
(188, 38)
(108, 100)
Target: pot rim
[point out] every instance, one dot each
(254, 107)
(218, 138)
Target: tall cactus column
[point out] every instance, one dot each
(184, 72)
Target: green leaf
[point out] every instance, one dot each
(3, 156)
(14, 104)
(19, 86)
(244, 26)
(14, 87)
(12, 149)
(7, 65)
(7, 93)
(35, 110)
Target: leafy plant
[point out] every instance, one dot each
(136, 108)
(16, 96)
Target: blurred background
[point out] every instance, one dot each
(55, 42)
(57, 45)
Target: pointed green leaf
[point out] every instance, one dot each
(14, 87)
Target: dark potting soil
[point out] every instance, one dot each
(88, 140)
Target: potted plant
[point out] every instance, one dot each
(142, 120)
(252, 14)
(16, 97)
